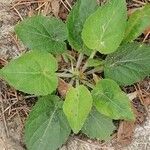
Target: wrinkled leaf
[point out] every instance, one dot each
(111, 101)
(77, 106)
(129, 64)
(104, 29)
(75, 21)
(47, 127)
(33, 73)
(98, 126)
(43, 34)
(137, 23)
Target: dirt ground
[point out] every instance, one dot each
(16, 108)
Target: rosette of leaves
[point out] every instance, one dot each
(87, 108)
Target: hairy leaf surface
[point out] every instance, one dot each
(76, 19)
(137, 23)
(43, 34)
(104, 29)
(129, 64)
(98, 126)
(111, 101)
(47, 127)
(77, 106)
(33, 73)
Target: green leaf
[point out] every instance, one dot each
(47, 127)
(104, 29)
(137, 23)
(75, 21)
(43, 34)
(111, 101)
(98, 126)
(33, 73)
(94, 62)
(77, 106)
(130, 64)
